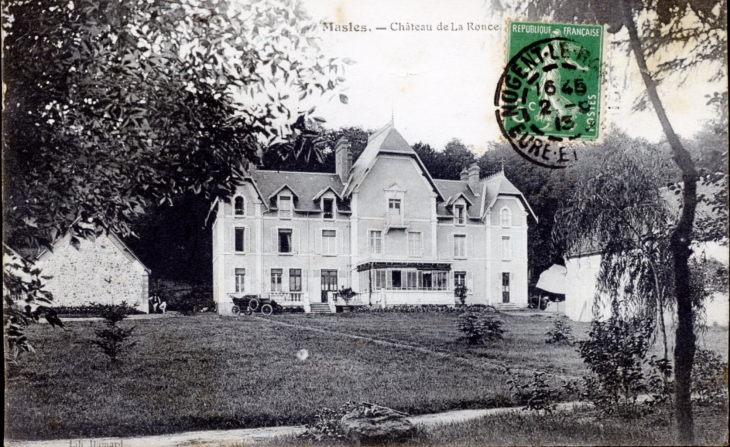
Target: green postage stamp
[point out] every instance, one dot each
(549, 95)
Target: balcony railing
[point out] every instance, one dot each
(287, 296)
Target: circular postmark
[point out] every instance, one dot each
(547, 98)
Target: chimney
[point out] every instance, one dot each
(474, 178)
(464, 174)
(343, 159)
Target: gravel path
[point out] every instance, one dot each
(238, 438)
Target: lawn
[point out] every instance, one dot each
(523, 346)
(211, 372)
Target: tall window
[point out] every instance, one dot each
(285, 243)
(240, 280)
(295, 280)
(285, 207)
(397, 279)
(459, 279)
(238, 206)
(328, 207)
(460, 246)
(412, 279)
(394, 206)
(415, 244)
(506, 248)
(329, 242)
(376, 242)
(506, 217)
(459, 215)
(380, 279)
(276, 275)
(238, 239)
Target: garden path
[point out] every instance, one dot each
(248, 436)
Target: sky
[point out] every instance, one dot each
(440, 85)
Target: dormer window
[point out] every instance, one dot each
(505, 217)
(285, 207)
(239, 206)
(328, 208)
(460, 214)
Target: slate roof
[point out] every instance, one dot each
(387, 140)
(305, 185)
(452, 188)
(309, 186)
(497, 184)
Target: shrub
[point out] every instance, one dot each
(709, 377)
(537, 393)
(479, 327)
(192, 303)
(614, 354)
(114, 340)
(326, 425)
(91, 309)
(460, 291)
(561, 332)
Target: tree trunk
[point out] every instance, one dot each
(684, 348)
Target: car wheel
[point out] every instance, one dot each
(248, 311)
(254, 304)
(266, 309)
(235, 310)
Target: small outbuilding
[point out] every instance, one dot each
(102, 271)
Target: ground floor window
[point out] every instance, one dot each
(276, 275)
(295, 280)
(240, 280)
(406, 279)
(459, 279)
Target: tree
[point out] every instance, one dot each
(617, 206)
(657, 30)
(114, 106)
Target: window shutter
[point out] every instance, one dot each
(285, 280)
(423, 251)
(247, 241)
(452, 247)
(318, 241)
(230, 240)
(342, 281)
(274, 242)
(470, 282)
(247, 281)
(341, 242)
(232, 280)
(467, 246)
(305, 272)
(296, 240)
(315, 275)
(452, 285)
(388, 279)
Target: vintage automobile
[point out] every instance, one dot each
(249, 304)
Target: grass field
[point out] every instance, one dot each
(523, 345)
(211, 372)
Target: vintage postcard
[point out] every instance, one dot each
(334, 222)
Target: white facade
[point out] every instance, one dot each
(383, 227)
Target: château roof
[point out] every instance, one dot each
(309, 186)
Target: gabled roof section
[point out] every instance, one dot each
(497, 184)
(308, 186)
(387, 140)
(281, 188)
(115, 240)
(324, 190)
(453, 189)
(450, 201)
